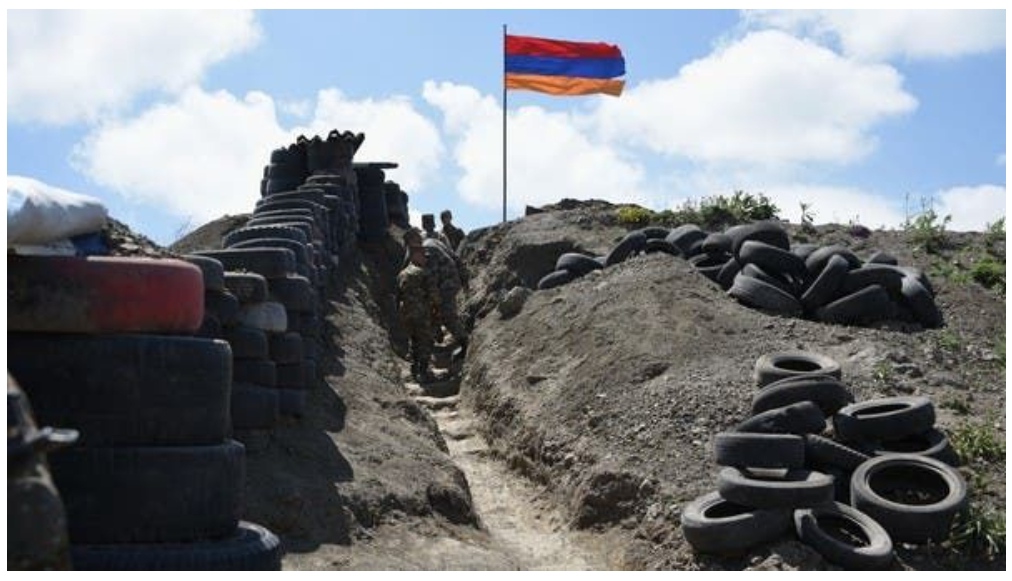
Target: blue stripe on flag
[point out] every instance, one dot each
(594, 68)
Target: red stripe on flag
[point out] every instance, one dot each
(533, 46)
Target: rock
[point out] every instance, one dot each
(514, 301)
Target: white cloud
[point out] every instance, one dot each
(887, 34)
(202, 155)
(549, 156)
(835, 204)
(70, 65)
(768, 99)
(394, 131)
(972, 208)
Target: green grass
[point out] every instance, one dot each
(957, 405)
(950, 341)
(979, 532)
(978, 442)
(995, 233)
(711, 213)
(927, 229)
(989, 273)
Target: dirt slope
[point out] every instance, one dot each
(611, 388)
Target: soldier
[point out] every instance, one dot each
(451, 232)
(418, 300)
(429, 225)
(447, 275)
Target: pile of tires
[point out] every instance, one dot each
(884, 478)
(756, 264)
(373, 216)
(334, 153)
(276, 316)
(397, 204)
(104, 345)
(287, 169)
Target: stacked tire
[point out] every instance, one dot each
(104, 346)
(757, 265)
(287, 169)
(373, 217)
(885, 481)
(397, 204)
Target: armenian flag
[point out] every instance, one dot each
(562, 67)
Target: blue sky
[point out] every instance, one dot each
(169, 118)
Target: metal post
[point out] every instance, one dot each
(503, 122)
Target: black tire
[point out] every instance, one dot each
(126, 389)
(309, 365)
(726, 274)
(286, 347)
(918, 275)
(880, 486)
(246, 342)
(714, 525)
(796, 488)
(783, 364)
(301, 194)
(302, 254)
(212, 270)
(803, 251)
(801, 418)
(774, 279)
(921, 302)
(578, 264)
(709, 265)
(267, 316)
(766, 231)
(882, 257)
(823, 452)
(300, 212)
(279, 185)
(757, 294)
(250, 547)
(828, 528)
(262, 232)
(254, 407)
(717, 243)
(932, 443)
(210, 328)
(772, 259)
(221, 305)
(150, 494)
(632, 243)
(305, 324)
(291, 376)
(248, 287)
(269, 262)
(685, 236)
(661, 245)
(295, 292)
(825, 391)
(750, 450)
(655, 232)
(869, 304)
(292, 402)
(817, 260)
(827, 284)
(258, 371)
(554, 279)
(885, 276)
(307, 224)
(891, 418)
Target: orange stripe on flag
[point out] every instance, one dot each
(564, 85)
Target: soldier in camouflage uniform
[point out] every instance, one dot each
(418, 300)
(453, 234)
(448, 280)
(429, 225)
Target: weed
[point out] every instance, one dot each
(949, 340)
(882, 372)
(989, 273)
(999, 349)
(957, 405)
(927, 228)
(807, 218)
(995, 234)
(979, 531)
(950, 271)
(634, 216)
(978, 442)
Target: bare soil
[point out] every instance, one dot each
(585, 423)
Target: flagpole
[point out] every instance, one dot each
(503, 122)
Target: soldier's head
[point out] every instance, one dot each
(415, 249)
(445, 217)
(428, 222)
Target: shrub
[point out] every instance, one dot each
(979, 531)
(634, 216)
(974, 441)
(989, 273)
(927, 229)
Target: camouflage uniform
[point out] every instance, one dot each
(417, 298)
(438, 236)
(442, 264)
(454, 235)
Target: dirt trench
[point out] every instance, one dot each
(521, 523)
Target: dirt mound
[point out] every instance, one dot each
(208, 236)
(610, 389)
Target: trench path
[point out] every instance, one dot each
(521, 523)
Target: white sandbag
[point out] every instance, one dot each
(38, 213)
